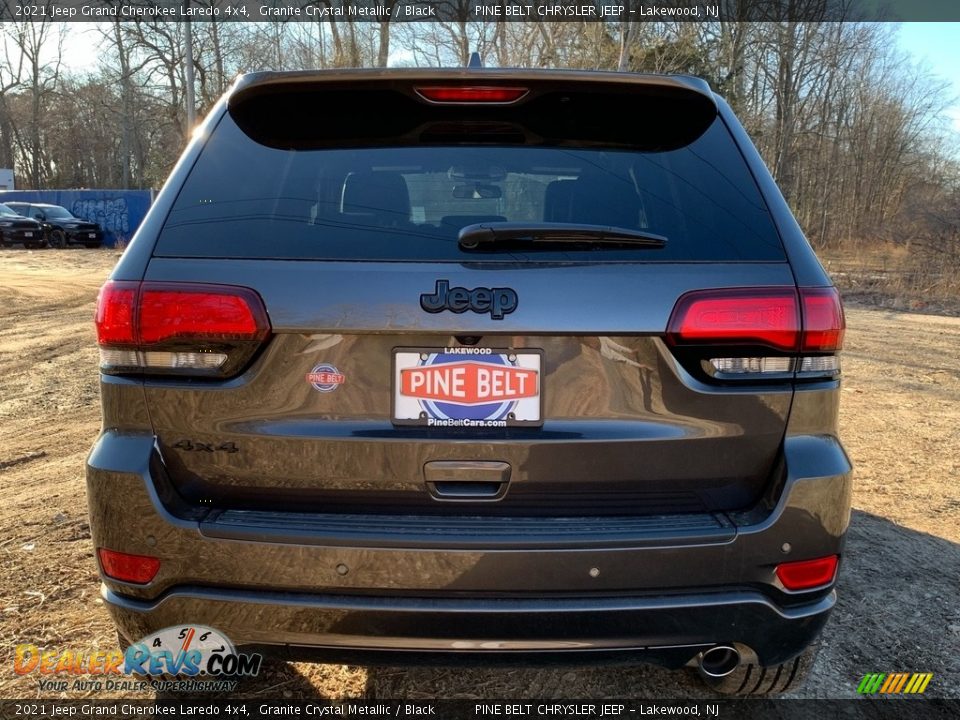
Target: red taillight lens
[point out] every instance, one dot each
(823, 321)
(115, 313)
(139, 569)
(755, 316)
(178, 328)
(213, 313)
(471, 94)
(808, 574)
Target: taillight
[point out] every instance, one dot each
(178, 328)
(823, 320)
(211, 313)
(115, 313)
(139, 569)
(808, 574)
(768, 332)
(460, 94)
(767, 317)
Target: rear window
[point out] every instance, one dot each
(244, 199)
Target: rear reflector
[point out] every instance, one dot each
(178, 327)
(139, 569)
(768, 317)
(808, 574)
(471, 94)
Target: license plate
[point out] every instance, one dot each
(467, 387)
(91, 235)
(29, 233)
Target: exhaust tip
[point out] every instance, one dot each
(719, 661)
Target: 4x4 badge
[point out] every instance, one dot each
(496, 301)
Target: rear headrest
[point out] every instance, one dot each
(382, 195)
(557, 203)
(592, 200)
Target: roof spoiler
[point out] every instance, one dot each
(416, 106)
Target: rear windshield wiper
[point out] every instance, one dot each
(486, 236)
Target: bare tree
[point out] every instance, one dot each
(11, 74)
(39, 43)
(851, 129)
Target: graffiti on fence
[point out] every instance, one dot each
(112, 214)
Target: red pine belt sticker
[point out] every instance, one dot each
(326, 378)
(468, 383)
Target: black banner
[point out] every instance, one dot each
(869, 709)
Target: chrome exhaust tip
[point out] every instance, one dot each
(719, 661)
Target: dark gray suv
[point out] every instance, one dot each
(493, 365)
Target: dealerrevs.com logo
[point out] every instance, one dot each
(179, 658)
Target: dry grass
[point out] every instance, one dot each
(895, 276)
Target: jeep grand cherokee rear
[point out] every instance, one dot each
(415, 365)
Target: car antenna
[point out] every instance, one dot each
(475, 60)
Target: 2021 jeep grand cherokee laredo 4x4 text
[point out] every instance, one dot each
(497, 364)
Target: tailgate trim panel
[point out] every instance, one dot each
(450, 532)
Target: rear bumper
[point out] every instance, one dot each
(670, 630)
(19, 236)
(83, 237)
(661, 592)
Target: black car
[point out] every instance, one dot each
(497, 366)
(62, 227)
(16, 228)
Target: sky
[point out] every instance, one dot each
(936, 45)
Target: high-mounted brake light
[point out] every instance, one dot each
(178, 327)
(139, 569)
(808, 574)
(459, 94)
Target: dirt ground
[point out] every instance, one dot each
(898, 608)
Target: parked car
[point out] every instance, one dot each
(61, 226)
(503, 365)
(15, 228)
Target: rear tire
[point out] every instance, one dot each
(752, 680)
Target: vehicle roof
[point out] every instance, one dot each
(13, 210)
(35, 204)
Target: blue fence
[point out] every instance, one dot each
(119, 212)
